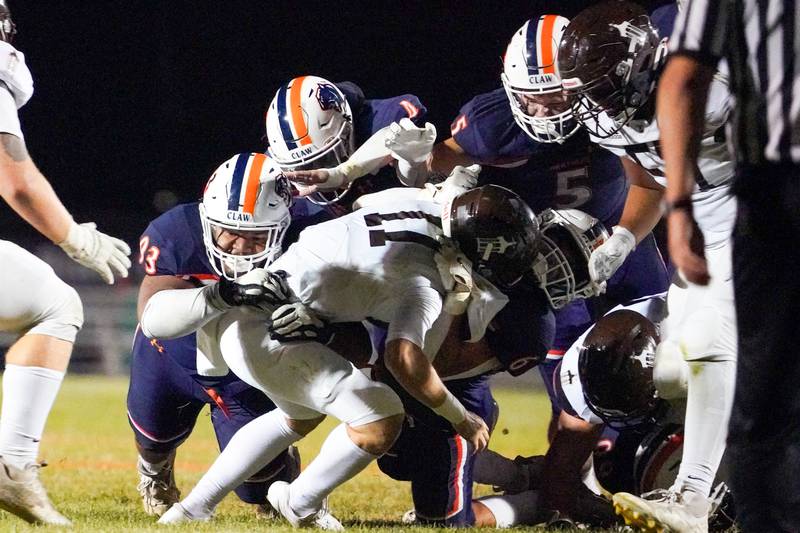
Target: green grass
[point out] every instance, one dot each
(92, 476)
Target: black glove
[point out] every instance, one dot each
(297, 322)
(257, 288)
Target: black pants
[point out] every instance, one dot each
(764, 438)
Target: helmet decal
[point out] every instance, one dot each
(329, 97)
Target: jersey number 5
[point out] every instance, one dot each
(573, 188)
(148, 255)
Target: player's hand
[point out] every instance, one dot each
(462, 178)
(474, 429)
(318, 178)
(308, 178)
(455, 271)
(405, 140)
(298, 322)
(609, 256)
(106, 255)
(686, 247)
(257, 288)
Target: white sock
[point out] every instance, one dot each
(28, 395)
(708, 408)
(513, 510)
(491, 468)
(339, 459)
(251, 449)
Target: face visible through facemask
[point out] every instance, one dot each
(239, 243)
(543, 105)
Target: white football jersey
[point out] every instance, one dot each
(377, 262)
(714, 206)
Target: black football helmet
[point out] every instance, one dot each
(609, 60)
(615, 366)
(496, 230)
(7, 27)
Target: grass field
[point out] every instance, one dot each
(92, 476)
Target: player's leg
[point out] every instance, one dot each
(162, 411)
(371, 415)
(706, 337)
(252, 447)
(48, 314)
(234, 404)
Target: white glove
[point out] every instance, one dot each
(409, 142)
(456, 273)
(106, 255)
(460, 180)
(609, 256)
(297, 322)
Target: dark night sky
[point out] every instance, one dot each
(136, 97)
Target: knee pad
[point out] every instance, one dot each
(671, 371)
(63, 317)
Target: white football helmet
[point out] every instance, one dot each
(530, 77)
(568, 238)
(247, 194)
(309, 126)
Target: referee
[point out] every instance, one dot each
(759, 39)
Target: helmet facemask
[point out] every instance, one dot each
(246, 198)
(532, 83)
(7, 27)
(561, 266)
(554, 123)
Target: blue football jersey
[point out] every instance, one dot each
(575, 174)
(172, 245)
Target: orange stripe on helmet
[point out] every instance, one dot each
(546, 44)
(298, 119)
(253, 181)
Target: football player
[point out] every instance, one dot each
(525, 134)
(609, 59)
(169, 384)
(377, 262)
(313, 126)
(44, 311)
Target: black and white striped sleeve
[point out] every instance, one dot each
(701, 30)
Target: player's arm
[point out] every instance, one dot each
(561, 474)
(170, 307)
(643, 205)
(640, 215)
(405, 359)
(28, 192)
(446, 155)
(682, 95)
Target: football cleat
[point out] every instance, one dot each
(22, 494)
(278, 496)
(664, 511)
(177, 514)
(158, 491)
(409, 517)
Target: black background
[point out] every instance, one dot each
(138, 97)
